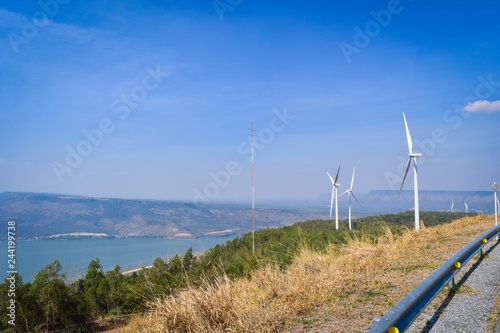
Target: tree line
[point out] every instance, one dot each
(52, 303)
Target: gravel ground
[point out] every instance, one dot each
(469, 309)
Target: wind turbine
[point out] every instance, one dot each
(452, 205)
(412, 156)
(466, 207)
(349, 194)
(335, 195)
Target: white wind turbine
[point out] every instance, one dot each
(466, 207)
(412, 156)
(335, 196)
(349, 194)
(452, 205)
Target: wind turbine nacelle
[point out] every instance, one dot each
(415, 155)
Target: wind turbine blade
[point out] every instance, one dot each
(404, 177)
(344, 193)
(337, 176)
(356, 200)
(352, 180)
(333, 182)
(408, 136)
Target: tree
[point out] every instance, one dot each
(188, 259)
(175, 271)
(96, 288)
(117, 291)
(158, 279)
(135, 292)
(52, 295)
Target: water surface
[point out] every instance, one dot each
(75, 254)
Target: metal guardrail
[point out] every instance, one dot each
(405, 312)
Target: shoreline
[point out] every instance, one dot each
(129, 271)
(90, 235)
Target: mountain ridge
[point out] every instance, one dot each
(46, 214)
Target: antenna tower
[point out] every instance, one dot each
(253, 194)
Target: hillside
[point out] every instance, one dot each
(43, 215)
(100, 293)
(339, 289)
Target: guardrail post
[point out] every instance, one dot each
(457, 266)
(481, 249)
(451, 284)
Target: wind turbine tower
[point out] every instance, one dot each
(466, 207)
(498, 204)
(335, 196)
(349, 194)
(412, 156)
(495, 189)
(452, 205)
(498, 207)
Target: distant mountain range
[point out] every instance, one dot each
(389, 202)
(58, 215)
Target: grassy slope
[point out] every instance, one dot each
(340, 289)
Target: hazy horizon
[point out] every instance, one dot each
(323, 197)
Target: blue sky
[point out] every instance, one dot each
(149, 99)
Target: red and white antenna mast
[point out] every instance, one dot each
(253, 193)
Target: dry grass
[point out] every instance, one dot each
(343, 288)
(494, 318)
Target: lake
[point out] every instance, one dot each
(75, 254)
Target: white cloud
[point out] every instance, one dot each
(483, 106)
(15, 22)
(10, 20)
